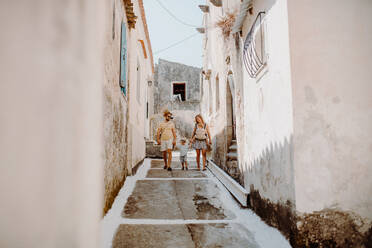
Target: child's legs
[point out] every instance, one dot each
(198, 157)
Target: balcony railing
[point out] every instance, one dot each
(254, 55)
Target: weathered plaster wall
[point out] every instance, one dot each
(140, 72)
(268, 111)
(51, 70)
(115, 109)
(126, 124)
(219, 59)
(331, 57)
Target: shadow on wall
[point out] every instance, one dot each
(272, 197)
(272, 191)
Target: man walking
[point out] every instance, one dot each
(167, 131)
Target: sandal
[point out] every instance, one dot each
(169, 169)
(204, 169)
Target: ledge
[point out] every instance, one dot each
(240, 193)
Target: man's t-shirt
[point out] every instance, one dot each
(166, 130)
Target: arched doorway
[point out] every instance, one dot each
(230, 113)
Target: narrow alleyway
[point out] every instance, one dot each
(158, 208)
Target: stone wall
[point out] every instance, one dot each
(115, 110)
(125, 121)
(167, 72)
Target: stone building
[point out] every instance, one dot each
(177, 88)
(128, 93)
(290, 78)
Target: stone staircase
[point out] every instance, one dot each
(232, 161)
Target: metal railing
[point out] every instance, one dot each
(254, 60)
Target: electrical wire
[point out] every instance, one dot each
(175, 17)
(176, 43)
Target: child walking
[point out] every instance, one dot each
(184, 148)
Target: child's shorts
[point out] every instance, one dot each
(183, 159)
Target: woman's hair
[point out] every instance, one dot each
(199, 115)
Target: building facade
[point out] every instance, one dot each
(177, 88)
(300, 110)
(128, 93)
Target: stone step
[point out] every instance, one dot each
(233, 148)
(233, 142)
(232, 155)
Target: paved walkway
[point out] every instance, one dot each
(159, 208)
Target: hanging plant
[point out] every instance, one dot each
(226, 23)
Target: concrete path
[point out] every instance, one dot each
(157, 208)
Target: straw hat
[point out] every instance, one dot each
(166, 112)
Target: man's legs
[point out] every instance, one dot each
(165, 159)
(169, 158)
(198, 158)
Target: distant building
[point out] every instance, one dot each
(177, 88)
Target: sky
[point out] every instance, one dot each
(165, 30)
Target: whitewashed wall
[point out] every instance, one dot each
(51, 71)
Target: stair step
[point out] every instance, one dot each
(233, 142)
(233, 148)
(232, 155)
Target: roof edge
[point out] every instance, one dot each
(143, 16)
(237, 27)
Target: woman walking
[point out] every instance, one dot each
(199, 140)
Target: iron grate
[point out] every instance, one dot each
(254, 54)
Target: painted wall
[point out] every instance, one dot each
(140, 72)
(220, 58)
(268, 110)
(51, 70)
(331, 58)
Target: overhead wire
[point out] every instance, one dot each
(176, 43)
(174, 16)
(180, 21)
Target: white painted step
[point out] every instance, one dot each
(240, 193)
(233, 148)
(232, 155)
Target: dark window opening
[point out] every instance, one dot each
(180, 89)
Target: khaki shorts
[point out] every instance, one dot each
(166, 145)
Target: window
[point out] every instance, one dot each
(254, 55)
(217, 93)
(179, 90)
(123, 59)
